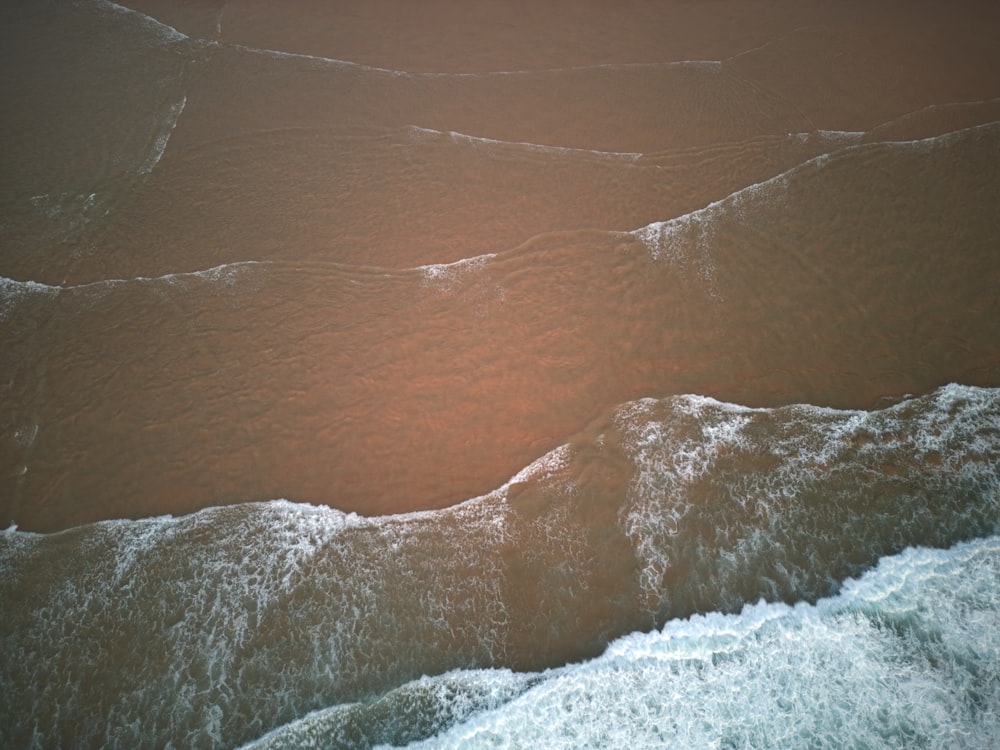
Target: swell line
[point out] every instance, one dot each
(538, 147)
(815, 161)
(396, 72)
(656, 235)
(163, 137)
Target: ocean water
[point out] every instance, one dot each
(209, 629)
(494, 375)
(904, 657)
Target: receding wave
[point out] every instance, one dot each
(904, 656)
(234, 620)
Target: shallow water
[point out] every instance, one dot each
(355, 343)
(904, 657)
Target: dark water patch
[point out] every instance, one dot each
(92, 93)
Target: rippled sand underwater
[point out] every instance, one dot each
(368, 369)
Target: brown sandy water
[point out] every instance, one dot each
(337, 375)
(384, 257)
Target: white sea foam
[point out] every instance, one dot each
(450, 275)
(832, 138)
(314, 61)
(476, 140)
(546, 467)
(842, 137)
(155, 30)
(467, 275)
(15, 293)
(163, 136)
(699, 465)
(906, 656)
(235, 280)
(269, 611)
(687, 240)
(275, 600)
(227, 275)
(456, 270)
(238, 279)
(411, 710)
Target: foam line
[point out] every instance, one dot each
(163, 32)
(541, 148)
(658, 235)
(163, 137)
(904, 656)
